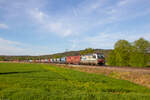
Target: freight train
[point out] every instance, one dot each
(89, 59)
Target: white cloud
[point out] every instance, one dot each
(107, 40)
(75, 21)
(7, 42)
(86, 16)
(90, 6)
(37, 15)
(127, 9)
(123, 2)
(8, 47)
(67, 32)
(74, 44)
(50, 24)
(3, 26)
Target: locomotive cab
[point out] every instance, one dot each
(101, 59)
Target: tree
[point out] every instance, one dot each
(139, 53)
(122, 51)
(120, 55)
(111, 60)
(87, 51)
(1, 58)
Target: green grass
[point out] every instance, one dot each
(47, 82)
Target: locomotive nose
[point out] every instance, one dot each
(101, 60)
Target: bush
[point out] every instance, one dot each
(111, 60)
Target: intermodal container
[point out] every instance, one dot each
(58, 60)
(49, 60)
(63, 60)
(73, 59)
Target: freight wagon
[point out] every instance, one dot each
(30, 61)
(58, 60)
(49, 60)
(37, 61)
(73, 60)
(63, 60)
(54, 60)
(43, 60)
(46, 60)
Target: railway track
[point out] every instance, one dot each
(123, 69)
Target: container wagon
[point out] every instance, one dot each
(54, 60)
(49, 60)
(58, 60)
(63, 60)
(45, 60)
(73, 60)
(30, 61)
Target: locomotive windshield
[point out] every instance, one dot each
(100, 56)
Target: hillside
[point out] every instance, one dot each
(73, 53)
(69, 53)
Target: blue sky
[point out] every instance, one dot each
(39, 27)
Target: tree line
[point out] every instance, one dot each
(134, 54)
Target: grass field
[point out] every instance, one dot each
(139, 76)
(48, 82)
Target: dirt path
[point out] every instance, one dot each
(137, 75)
